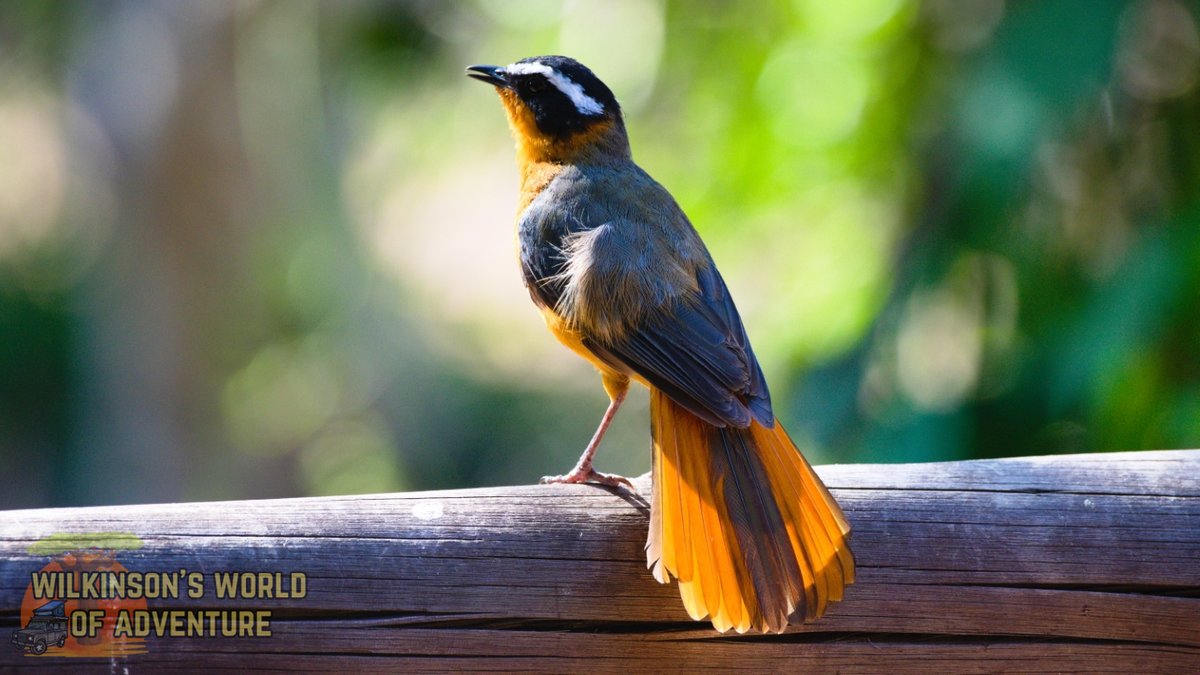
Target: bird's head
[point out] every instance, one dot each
(557, 108)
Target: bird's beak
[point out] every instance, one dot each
(493, 75)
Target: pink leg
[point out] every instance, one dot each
(583, 471)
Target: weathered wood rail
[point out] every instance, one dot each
(1084, 563)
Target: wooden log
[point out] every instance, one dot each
(1083, 563)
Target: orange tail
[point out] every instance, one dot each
(742, 521)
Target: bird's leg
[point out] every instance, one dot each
(583, 471)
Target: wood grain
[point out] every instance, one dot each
(1083, 563)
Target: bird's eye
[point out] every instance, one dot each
(536, 85)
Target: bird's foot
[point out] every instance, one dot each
(589, 475)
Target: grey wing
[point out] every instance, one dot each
(632, 275)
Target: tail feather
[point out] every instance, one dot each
(758, 525)
(739, 518)
(799, 537)
(702, 591)
(682, 483)
(822, 535)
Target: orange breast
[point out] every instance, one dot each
(573, 339)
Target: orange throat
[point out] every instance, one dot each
(536, 148)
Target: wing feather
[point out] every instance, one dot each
(696, 351)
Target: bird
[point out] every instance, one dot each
(738, 517)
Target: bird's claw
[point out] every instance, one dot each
(589, 476)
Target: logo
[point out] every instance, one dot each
(64, 613)
(86, 603)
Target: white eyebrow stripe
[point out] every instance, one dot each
(583, 103)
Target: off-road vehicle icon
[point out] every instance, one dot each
(47, 626)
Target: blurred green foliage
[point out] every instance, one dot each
(253, 249)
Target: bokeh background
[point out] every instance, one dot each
(265, 248)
